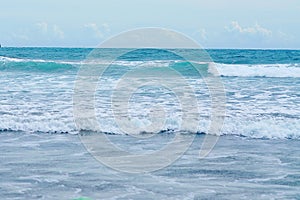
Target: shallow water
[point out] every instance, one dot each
(55, 166)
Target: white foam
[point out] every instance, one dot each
(44, 103)
(259, 70)
(236, 70)
(10, 59)
(270, 128)
(150, 63)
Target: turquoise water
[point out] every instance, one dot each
(262, 89)
(256, 157)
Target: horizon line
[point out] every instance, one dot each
(208, 48)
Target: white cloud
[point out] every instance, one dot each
(50, 30)
(42, 26)
(203, 34)
(58, 32)
(95, 28)
(256, 29)
(99, 31)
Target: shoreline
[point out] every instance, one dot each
(236, 167)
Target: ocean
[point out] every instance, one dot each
(44, 156)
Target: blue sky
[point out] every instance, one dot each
(212, 23)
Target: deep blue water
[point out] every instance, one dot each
(228, 56)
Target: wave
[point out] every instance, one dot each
(260, 70)
(265, 128)
(153, 63)
(33, 65)
(10, 59)
(225, 70)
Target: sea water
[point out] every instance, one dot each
(256, 157)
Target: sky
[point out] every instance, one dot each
(212, 23)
